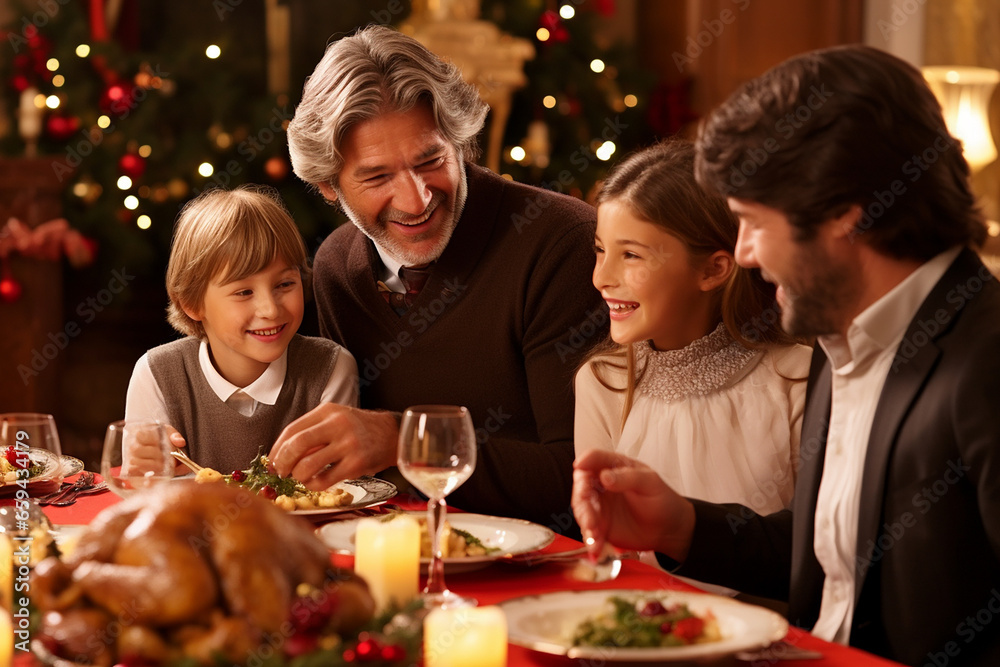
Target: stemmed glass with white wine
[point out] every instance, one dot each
(437, 453)
(136, 456)
(30, 442)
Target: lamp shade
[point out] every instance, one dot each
(964, 94)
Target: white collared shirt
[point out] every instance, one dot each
(860, 363)
(390, 271)
(145, 399)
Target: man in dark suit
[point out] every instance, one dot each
(853, 199)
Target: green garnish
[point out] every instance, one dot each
(472, 540)
(257, 477)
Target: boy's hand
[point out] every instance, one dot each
(334, 442)
(178, 441)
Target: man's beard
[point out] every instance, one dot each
(817, 304)
(403, 252)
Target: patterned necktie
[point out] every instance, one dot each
(414, 281)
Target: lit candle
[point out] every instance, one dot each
(465, 637)
(6, 573)
(6, 638)
(387, 556)
(6, 599)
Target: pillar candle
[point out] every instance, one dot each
(387, 556)
(6, 638)
(6, 573)
(465, 637)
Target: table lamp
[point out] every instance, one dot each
(964, 94)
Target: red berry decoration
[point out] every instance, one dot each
(300, 643)
(238, 476)
(393, 653)
(368, 649)
(267, 491)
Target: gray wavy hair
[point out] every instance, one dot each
(374, 71)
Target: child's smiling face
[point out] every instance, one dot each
(654, 288)
(250, 322)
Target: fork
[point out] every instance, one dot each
(84, 481)
(185, 459)
(606, 567)
(70, 498)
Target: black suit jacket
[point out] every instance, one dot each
(928, 546)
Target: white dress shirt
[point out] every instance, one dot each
(145, 399)
(860, 363)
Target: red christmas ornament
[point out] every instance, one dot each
(61, 128)
(20, 82)
(132, 165)
(10, 289)
(557, 29)
(276, 168)
(116, 98)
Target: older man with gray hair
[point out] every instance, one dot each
(452, 285)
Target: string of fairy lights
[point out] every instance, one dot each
(123, 94)
(603, 149)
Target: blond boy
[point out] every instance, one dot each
(236, 280)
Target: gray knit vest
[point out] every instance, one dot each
(217, 435)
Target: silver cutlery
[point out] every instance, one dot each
(84, 481)
(778, 651)
(71, 497)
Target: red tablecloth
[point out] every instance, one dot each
(504, 581)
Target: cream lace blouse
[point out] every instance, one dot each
(717, 421)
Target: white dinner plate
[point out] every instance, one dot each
(70, 465)
(365, 492)
(510, 536)
(546, 623)
(37, 484)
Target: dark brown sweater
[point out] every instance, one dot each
(499, 328)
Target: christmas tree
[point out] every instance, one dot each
(143, 115)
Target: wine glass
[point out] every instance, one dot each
(35, 442)
(136, 456)
(437, 453)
